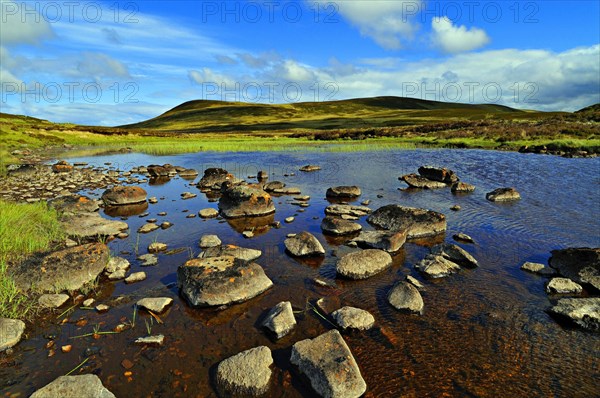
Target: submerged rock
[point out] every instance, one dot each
(416, 222)
(157, 340)
(246, 200)
(363, 264)
(246, 374)
(503, 195)
(304, 244)
(584, 312)
(280, 320)
(88, 386)
(404, 296)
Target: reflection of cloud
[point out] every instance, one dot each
(456, 39)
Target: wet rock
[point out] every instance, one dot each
(343, 192)
(503, 195)
(146, 228)
(455, 208)
(417, 181)
(246, 201)
(213, 178)
(304, 244)
(289, 220)
(74, 204)
(563, 285)
(280, 320)
(248, 234)
(363, 264)
(53, 300)
(537, 268)
(349, 210)
(391, 242)
(136, 277)
(153, 200)
(440, 174)
(287, 191)
(415, 282)
(166, 225)
(262, 175)
(462, 187)
(302, 198)
(329, 365)
(208, 213)
(246, 374)
(310, 167)
(157, 171)
(62, 166)
(583, 312)
(581, 265)
(148, 260)
(216, 281)
(155, 304)
(456, 254)
(241, 253)
(207, 241)
(188, 173)
(404, 296)
(338, 226)
(157, 340)
(188, 195)
(461, 237)
(91, 225)
(88, 386)
(273, 185)
(156, 247)
(436, 266)
(126, 210)
(353, 318)
(11, 332)
(123, 195)
(102, 308)
(416, 222)
(116, 264)
(89, 302)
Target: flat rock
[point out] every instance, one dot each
(440, 174)
(338, 226)
(207, 241)
(241, 253)
(53, 300)
(353, 318)
(415, 282)
(329, 365)
(456, 254)
(74, 204)
(88, 386)
(404, 296)
(462, 187)
(280, 319)
(273, 185)
(584, 312)
(304, 244)
(155, 304)
(208, 213)
(581, 265)
(116, 263)
(461, 237)
(188, 195)
(216, 281)
(363, 264)
(436, 266)
(288, 191)
(157, 340)
(310, 167)
(188, 173)
(148, 260)
(245, 200)
(246, 374)
(347, 210)
(416, 222)
(537, 268)
(136, 277)
(123, 195)
(391, 242)
(148, 227)
(417, 181)
(563, 285)
(503, 195)
(12, 331)
(343, 192)
(91, 225)
(156, 247)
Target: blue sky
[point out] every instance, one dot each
(112, 63)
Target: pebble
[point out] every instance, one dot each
(289, 219)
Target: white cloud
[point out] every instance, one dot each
(456, 39)
(208, 76)
(18, 27)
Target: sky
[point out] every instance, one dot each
(117, 62)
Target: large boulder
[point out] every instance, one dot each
(246, 200)
(406, 297)
(329, 365)
(304, 244)
(440, 174)
(216, 281)
(583, 312)
(11, 331)
(436, 266)
(241, 253)
(456, 254)
(91, 225)
(88, 386)
(416, 222)
(214, 177)
(579, 264)
(339, 226)
(123, 195)
(503, 195)
(391, 242)
(417, 181)
(344, 192)
(280, 320)
(246, 374)
(363, 264)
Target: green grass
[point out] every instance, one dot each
(13, 303)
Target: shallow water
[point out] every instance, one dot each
(484, 332)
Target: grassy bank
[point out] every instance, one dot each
(24, 230)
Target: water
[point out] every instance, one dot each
(484, 332)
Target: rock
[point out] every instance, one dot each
(404, 296)
(280, 320)
(246, 374)
(537, 268)
(287, 191)
(460, 237)
(417, 181)
(216, 281)
(241, 253)
(413, 281)
(503, 195)
(289, 220)
(248, 234)
(157, 340)
(88, 386)
(581, 265)
(584, 312)
(117, 275)
(363, 264)
(155, 304)
(135, 277)
(343, 192)
(207, 241)
(123, 195)
(157, 171)
(329, 365)
(148, 227)
(188, 173)
(116, 264)
(438, 174)
(188, 195)
(246, 200)
(89, 302)
(156, 247)
(273, 185)
(91, 225)
(74, 204)
(153, 200)
(455, 208)
(53, 300)
(102, 308)
(62, 166)
(436, 266)
(304, 244)
(563, 285)
(303, 198)
(418, 223)
(148, 260)
(462, 187)
(68, 269)
(208, 213)
(391, 242)
(166, 225)
(353, 318)
(456, 254)
(338, 226)
(310, 167)
(11, 332)
(262, 175)
(350, 210)
(214, 177)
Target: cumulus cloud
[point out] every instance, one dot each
(18, 27)
(208, 76)
(456, 39)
